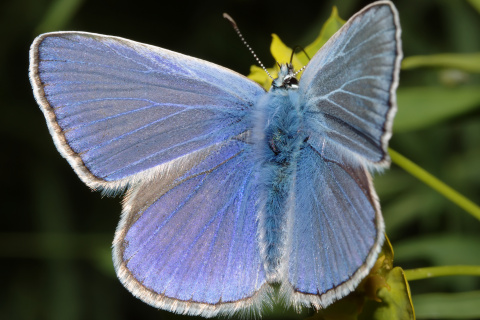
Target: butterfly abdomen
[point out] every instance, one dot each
(281, 140)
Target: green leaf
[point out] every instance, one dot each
(440, 249)
(421, 107)
(282, 53)
(393, 299)
(462, 305)
(469, 62)
(57, 16)
(396, 303)
(475, 4)
(332, 25)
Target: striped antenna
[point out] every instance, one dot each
(235, 27)
(300, 70)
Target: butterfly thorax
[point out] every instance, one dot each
(282, 138)
(283, 119)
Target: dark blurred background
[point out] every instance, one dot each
(56, 234)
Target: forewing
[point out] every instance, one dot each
(189, 245)
(117, 108)
(336, 230)
(348, 88)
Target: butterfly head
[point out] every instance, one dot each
(286, 78)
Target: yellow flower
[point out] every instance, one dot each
(282, 53)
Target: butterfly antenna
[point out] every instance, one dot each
(291, 58)
(300, 70)
(235, 27)
(295, 50)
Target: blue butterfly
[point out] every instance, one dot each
(231, 190)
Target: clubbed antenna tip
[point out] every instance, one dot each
(227, 16)
(235, 27)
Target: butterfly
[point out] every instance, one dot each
(234, 194)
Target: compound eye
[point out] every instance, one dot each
(293, 81)
(290, 82)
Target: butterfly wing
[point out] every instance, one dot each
(175, 129)
(347, 93)
(348, 88)
(188, 244)
(337, 229)
(118, 109)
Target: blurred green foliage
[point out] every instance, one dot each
(55, 234)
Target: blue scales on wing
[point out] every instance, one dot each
(347, 99)
(117, 108)
(337, 228)
(188, 244)
(183, 135)
(176, 130)
(348, 87)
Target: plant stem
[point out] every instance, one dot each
(430, 272)
(436, 184)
